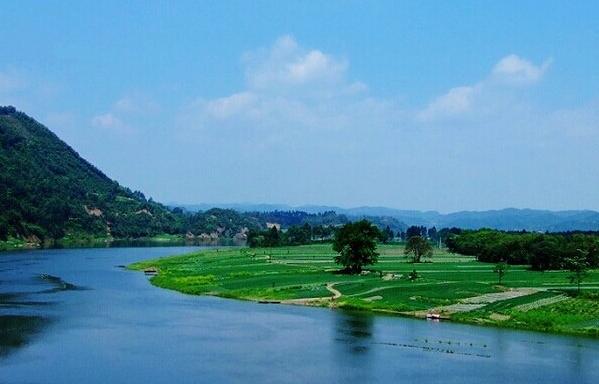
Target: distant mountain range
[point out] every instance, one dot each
(503, 219)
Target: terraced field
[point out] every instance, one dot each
(455, 287)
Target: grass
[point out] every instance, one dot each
(303, 272)
(12, 244)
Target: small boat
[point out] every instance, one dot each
(433, 316)
(151, 271)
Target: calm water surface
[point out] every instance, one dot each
(75, 316)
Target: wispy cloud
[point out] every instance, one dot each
(510, 72)
(515, 70)
(290, 94)
(456, 101)
(126, 114)
(111, 122)
(287, 65)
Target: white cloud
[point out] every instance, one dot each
(106, 120)
(487, 95)
(225, 107)
(127, 114)
(514, 70)
(290, 93)
(315, 65)
(286, 64)
(300, 102)
(456, 101)
(111, 122)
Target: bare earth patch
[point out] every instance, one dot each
(540, 303)
(498, 317)
(500, 296)
(477, 302)
(373, 298)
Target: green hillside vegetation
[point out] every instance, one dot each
(47, 191)
(446, 284)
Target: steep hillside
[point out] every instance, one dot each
(47, 191)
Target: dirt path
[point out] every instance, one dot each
(335, 292)
(316, 300)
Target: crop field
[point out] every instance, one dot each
(455, 287)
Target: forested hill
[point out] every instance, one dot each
(508, 219)
(48, 191)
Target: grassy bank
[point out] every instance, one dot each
(12, 244)
(457, 287)
(89, 241)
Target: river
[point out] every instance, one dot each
(77, 316)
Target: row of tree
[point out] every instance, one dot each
(307, 234)
(356, 243)
(432, 234)
(542, 251)
(294, 235)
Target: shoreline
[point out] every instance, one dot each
(325, 302)
(450, 287)
(12, 244)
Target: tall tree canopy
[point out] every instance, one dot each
(418, 247)
(356, 245)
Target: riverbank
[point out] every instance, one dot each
(454, 287)
(14, 244)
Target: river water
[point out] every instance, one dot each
(76, 316)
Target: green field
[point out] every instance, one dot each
(457, 287)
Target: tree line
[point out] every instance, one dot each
(542, 251)
(307, 234)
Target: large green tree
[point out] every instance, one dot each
(356, 245)
(418, 247)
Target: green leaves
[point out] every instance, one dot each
(418, 247)
(356, 245)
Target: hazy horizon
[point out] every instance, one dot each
(221, 204)
(417, 106)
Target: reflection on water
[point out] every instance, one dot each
(146, 243)
(353, 331)
(352, 344)
(17, 330)
(58, 284)
(18, 321)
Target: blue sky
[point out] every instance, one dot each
(417, 105)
